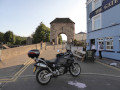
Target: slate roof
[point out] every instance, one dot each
(81, 33)
(62, 20)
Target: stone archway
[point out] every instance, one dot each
(62, 25)
(61, 36)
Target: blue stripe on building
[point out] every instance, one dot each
(106, 4)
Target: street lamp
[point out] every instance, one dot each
(71, 41)
(45, 39)
(0, 54)
(1, 50)
(62, 44)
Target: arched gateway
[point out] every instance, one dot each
(62, 26)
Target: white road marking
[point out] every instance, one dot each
(100, 74)
(77, 84)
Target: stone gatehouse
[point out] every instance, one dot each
(62, 26)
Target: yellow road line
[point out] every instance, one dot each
(17, 72)
(22, 68)
(108, 66)
(14, 78)
(26, 62)
(5, 79)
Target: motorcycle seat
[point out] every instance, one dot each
(50, 62)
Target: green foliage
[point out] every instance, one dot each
(12, 39)
(42, 33)
(1, 37)
(9, 37)
(75, 42)
(23, 40)
(20, 40)
(60, 39)
(78, 43)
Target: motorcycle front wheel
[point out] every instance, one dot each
(75, 69)
(41, 77)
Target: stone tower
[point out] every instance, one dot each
(62, 26)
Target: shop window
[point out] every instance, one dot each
(109, 43)
(96, 4)
(96, 22)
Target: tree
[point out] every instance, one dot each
(9, 37)
(20, 40)
(23, 42)
(75, 42)
(59, 39)
(42, 33)
(78, 43)
(47, 32)
(1, 37)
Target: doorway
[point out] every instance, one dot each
(92, 42)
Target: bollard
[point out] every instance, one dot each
(45, 46)
(0, 54)
(53, 45)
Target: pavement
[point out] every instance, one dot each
(110, 62)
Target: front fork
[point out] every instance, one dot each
(34, 69)
(73, 66)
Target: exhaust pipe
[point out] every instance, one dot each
(48, 75)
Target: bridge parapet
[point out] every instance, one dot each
(12, 52)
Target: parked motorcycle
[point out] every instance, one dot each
(45, 70)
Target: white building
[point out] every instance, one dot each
(80, 36)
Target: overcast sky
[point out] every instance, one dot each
(23, 16)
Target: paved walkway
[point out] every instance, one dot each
(111, 62)
(50, 53)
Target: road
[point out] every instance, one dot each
(94, 76)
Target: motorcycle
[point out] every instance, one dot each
(45, 70)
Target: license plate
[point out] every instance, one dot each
(34, 69)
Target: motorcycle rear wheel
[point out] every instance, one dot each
(75, 69)
(40, 76)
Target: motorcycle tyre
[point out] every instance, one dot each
(37, 77)
(71, 71)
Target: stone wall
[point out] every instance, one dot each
(12, 52)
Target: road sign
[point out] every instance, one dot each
(90, 55)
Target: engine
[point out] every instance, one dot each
(61, 70)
